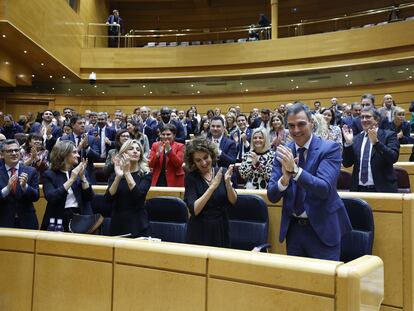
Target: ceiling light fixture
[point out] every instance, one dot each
(42, 64)
(4, 36)
(21, 76)
(291, 80)
(25, 52)
(150, 92)
(63, 77)
(81, 90)
(246, 90)
(95, 86)
(144, 86)
(192, 85)
(6, 62)
(350, 82)
(347, 75)
(198, 92)
(297, 86)
(50, 77)
(241, 83)
(33, 76)
(53, 88)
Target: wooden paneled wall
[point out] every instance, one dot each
(55, 26)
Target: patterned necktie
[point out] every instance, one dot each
(300, 193)
(14, 184)
(365, 161)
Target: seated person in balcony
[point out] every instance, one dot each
(66, 188)
(166, 119)
(401, 126)
(19, 188)
(166, 159)
(115, 29)
(372, 153)
(104, 135)
(241, 137)
(34, 153)
(127, 190)
(9, 128)
(305, 174)
(208, 193)
(256, 166)
(121, 137)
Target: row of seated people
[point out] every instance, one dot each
(252, 146)
(68, 192)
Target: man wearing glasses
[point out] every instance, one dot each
(19, 188)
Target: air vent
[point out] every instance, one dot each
(120, 86)
(319, 78)
(379, 79)
(215, 83)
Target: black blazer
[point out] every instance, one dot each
(20, 203)
(384, 154)
(55, 195)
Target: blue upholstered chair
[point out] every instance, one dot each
(360, 240)
(403, 180)
(344, 181)
(249, 223)
(168, 218)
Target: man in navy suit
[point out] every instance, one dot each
(19, 188)
(355, 113)
(241, 136)
(372, 153)
(149, 125)
(105, 136)
(87, 145)
(115, 29)
(304, 175)
(227, 148)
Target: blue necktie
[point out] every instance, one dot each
(365, 161)
(300, 193)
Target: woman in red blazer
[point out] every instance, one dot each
(166, 159)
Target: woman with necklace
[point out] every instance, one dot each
(256, 166)
(127, 190)
(208, 193)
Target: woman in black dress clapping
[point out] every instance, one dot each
(208, 193)
(127, 189)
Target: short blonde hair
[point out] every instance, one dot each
(59, 153)
(398, 110)
(142, 162)
(265, 137)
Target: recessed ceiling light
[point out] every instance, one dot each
(198, 92)
(25, 52)
(297, 86)
(6, 62)
(42, 64)
(50, 77)
(103, 92)
(291, 80)
(150, 92)
(241, 83)
(407, 68)
(144, 86)
(410, 77)
(4, 36)
(21, 76)
(81, 90)
(95, 86)
(192, 93)
(53, 88)
(350, 82)
(63, 77)
(347, 75)
(69, 90)
(192, 85)
(33, 76)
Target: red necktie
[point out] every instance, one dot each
(14, 185)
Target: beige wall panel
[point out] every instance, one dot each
(18, 243)
(388, 245)
(96, 252)
(86, 284)
(137, 288)
(227, 295)
(17, 108)
(16, 281)
(275, 213)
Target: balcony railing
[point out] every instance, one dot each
(184, 37)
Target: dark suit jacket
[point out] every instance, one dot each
(55, 195)
(324, 207)
(174, 171)
(56, 131)
(110, 133)
(20, 203)
(149, 128)
(239, 144)
(228, 152)
(92, 154)
(383, 155)
(180, 136)
(10, 131)
(406, 130)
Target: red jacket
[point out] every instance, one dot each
(174, 171)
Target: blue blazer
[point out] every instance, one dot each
(324, 207)
(110, 133)
(93, 155)
(10, 131)
(56, 131)
(20, 203)
(228, 152)
(384, 154)
(55, 195)
(406, 130)
(239, 145)
(149, 128)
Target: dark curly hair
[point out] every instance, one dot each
(199, 144)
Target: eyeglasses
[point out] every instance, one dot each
(12, 150)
